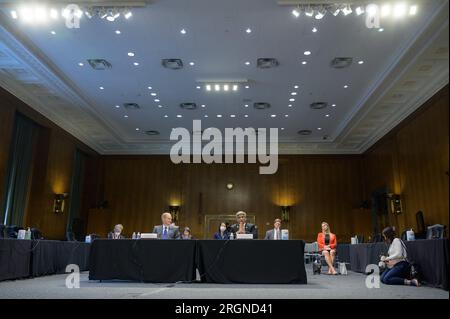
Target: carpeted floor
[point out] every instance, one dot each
(319, 286)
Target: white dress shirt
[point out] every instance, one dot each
(276, 234)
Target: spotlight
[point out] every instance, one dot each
(296, 13)
(347, 10)
(372, 10)
(413, 10)
(399, 10)
(89, 13)
(26, 14)
(385, 10)
(102, 13)
(14, 14)
(127, 14)
(335, 9)
(54, 14)
(112, 15)
(320, 13)
(359, 11)
(309, 11)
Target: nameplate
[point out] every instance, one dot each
(149, 236)
(244, 236)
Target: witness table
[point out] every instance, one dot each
(252, 261)
(143, 260)
(431, 255)
(14, 258)
(52, 257)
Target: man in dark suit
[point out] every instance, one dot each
(167, 230)
(242, 227)
(116, 233)
(275, 233)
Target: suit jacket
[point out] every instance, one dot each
(111, 236)
(173, 232)
(270, 234)
(249, 229)
(226, 236)
(321, 241)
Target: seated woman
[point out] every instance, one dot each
(223, 233)
(397, 270)
(187, 233)
(327, 245)
(116, 233)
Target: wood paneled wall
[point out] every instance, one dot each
(139, 189)
(51, 170)
(412, 160)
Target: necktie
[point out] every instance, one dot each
(164, 234)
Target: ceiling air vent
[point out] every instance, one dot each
(261, 105)
(266, 63)
(173, 64)
(304, 132)
(152, 132)
(188, 106)
(99, 64)
(131, 106)
(318, 105)
(341, 63)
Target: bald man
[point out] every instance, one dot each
(166, 230)
(242, 227)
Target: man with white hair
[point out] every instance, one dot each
(242, 227)
(167, 230)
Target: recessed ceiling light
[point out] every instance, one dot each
(246, 105)
(304, 62)
(101, 88)
(293, 93)
(53, 32)
(219, 115)
(198, 87)
(248, 30)
(203, 105)
(295, 86)
(153, 94)
(118, 32)
(273, 115)
(80, 64)
(333, 105)
(295, 13)
(345, 86)
(247, 63)
(361, 62)
(206, 115)
(149, 87)
(183, 31)
(314, 30)
(160, 106)
(247, 87)
(235, 87)
(327, 115)
(136, 63)
(232, 115)
(208, 87)
(226, 87)
(290, 105)
(166, 116)
(179, 115)
(246, 115)
(191, 63)
(413, 10)
(217, 87)
(286, 115)
(125, 116)
(307, 53)
(156, 100)
(282, 128)
(380, 30)
(319, 128)
(117, 106)
(291, 100)
(14, 14)
(130, 54)
(137, 128)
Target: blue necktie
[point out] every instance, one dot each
(164, 234)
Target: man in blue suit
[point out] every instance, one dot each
(242, 227)
(167, 230)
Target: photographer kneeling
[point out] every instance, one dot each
(398, 268)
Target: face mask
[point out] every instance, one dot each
(222, 228)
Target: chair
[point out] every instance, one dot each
(436, 231)
(36, 233)
(12, 231)
(70, 236)
(311, 251)
(2, 231)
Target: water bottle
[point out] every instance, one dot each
(133, 236)
(231, 236)
(28, 233)
(138, 235)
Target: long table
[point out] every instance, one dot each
(33, 258)
(238, 261)
(431, 255)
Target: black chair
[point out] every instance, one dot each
(36, 233)
(2, 231)
(377, 238)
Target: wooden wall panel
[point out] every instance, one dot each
(139, 189)
(413, 161)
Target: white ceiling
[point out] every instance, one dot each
(403, 66)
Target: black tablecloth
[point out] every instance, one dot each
(14, 258)
(51, 257)
(252, 261)
(431, 255)
(143, 260)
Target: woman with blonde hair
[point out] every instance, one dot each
(327, 243)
